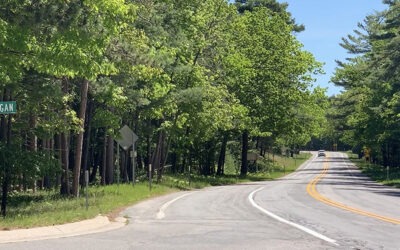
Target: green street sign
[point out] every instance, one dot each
(8, 107)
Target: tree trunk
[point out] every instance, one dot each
(245, 146)
(6, 136)
(3, 125)
(147, 160)
(184, 163)
(104, 162)
(156, 157)
(79, 140)
(163, 155)
(48, 147)
(222, 153)
(186, 159)
(33, 141)
(174, 162)
(65, 186)
(95, 160)
(124, 166)
(32, 137)
(57, 150)
(86, 144)
(4, 192)
(209, 158)
(5, 185)
(110, 160)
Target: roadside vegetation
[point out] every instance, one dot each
(188, 82)
(385, 175)
(44, 208)
(364, 117)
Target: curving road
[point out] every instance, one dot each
(326, 204)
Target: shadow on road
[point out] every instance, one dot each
(343, 173)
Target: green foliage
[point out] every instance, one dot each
(31, 165)
(268, 71)
(42, 98)
(276, 7)
(367, 113)
(113, 103)
(193, 70)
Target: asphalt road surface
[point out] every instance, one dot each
(326, 204)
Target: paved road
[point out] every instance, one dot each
(327, 204)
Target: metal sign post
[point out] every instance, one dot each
(128, 139)
(387, 172)
(133, 157)
(87, 190)
(150, 177)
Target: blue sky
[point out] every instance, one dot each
(326, 22)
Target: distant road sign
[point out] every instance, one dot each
(128, 138)
(8, 107)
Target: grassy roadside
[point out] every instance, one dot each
(287, 165)
(390, 177)
(44, 208)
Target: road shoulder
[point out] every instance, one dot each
(96, 225)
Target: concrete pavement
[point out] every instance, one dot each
(95, 225)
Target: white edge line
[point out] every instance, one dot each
(280, 219)
(160, 215)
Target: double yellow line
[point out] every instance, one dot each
(312, 191)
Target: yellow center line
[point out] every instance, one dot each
(312, 191)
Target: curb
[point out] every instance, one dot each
(95, 225)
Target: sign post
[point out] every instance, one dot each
(150, 177)
(387, 172)
(128, 139)
(86, 188)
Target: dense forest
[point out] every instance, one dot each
(193, 80)
(365, 115)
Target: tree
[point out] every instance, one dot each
(370, 79)
(273, 5)
(267, 71)
(69, 40)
